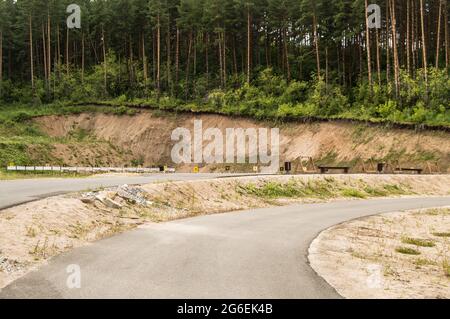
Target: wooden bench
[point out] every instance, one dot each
(325, 169)
(410, 170)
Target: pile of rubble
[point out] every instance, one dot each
(114, 198)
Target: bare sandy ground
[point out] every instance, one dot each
(384, 256)
(32, 233)
(147, 137)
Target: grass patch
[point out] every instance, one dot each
(442, 234)
(407, 251)
(321, 188)
(291, 189)
(424, 262)
(375, 192)
(418, 242)
(31, 232)
(438, 211)
(446, 268)
(394, 189)
(274, 190)
(353, 193)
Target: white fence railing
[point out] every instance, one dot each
(89, 169)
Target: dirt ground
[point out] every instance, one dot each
(395, 255)
(32, 233)
(146, 139)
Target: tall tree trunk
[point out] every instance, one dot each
(31, 53)
(360, 55)
(413, 37)
(286, 54)
(67, 51)
(82, 57)
(424, 45)
(1, 61)
(316, 42)
(188, 64)
(249, 44)
(44, 51)
(207, 59)
(131, 59)
(344, 61)
(224, 58)
(408, 36)
(267, 48)
(378, 57)
(158, 56)
(169, 60)
(154, 57)
(326, 68)
(438, 40)
(369, 61)
(177, 57)
(388, 58)
(49, 48)
(105, 66)
(447, 51)
(194, 62)
(235, 67)
(394, 43)
(58, 46)
(144, 61)
(220, 59)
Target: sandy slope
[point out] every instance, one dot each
(146, 137)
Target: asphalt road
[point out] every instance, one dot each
(14, 192)
(253, 254)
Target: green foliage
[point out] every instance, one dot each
(202, 64)
(407, 251)
(353, 193)
(418, 242)
(442, 234)
(446, 268)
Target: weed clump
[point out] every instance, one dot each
(418, 242)
(407, 251)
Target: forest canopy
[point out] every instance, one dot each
(260, 58)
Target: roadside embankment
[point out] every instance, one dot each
(144, 139)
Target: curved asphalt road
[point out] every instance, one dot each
(14, 192)
(253, 254)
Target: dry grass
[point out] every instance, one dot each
(407, 251)
(446, 268)
(418, 242)
(412, 265)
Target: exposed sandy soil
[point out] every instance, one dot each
(360, 258)
(145, 137)
(216, 196)
(32, 233)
